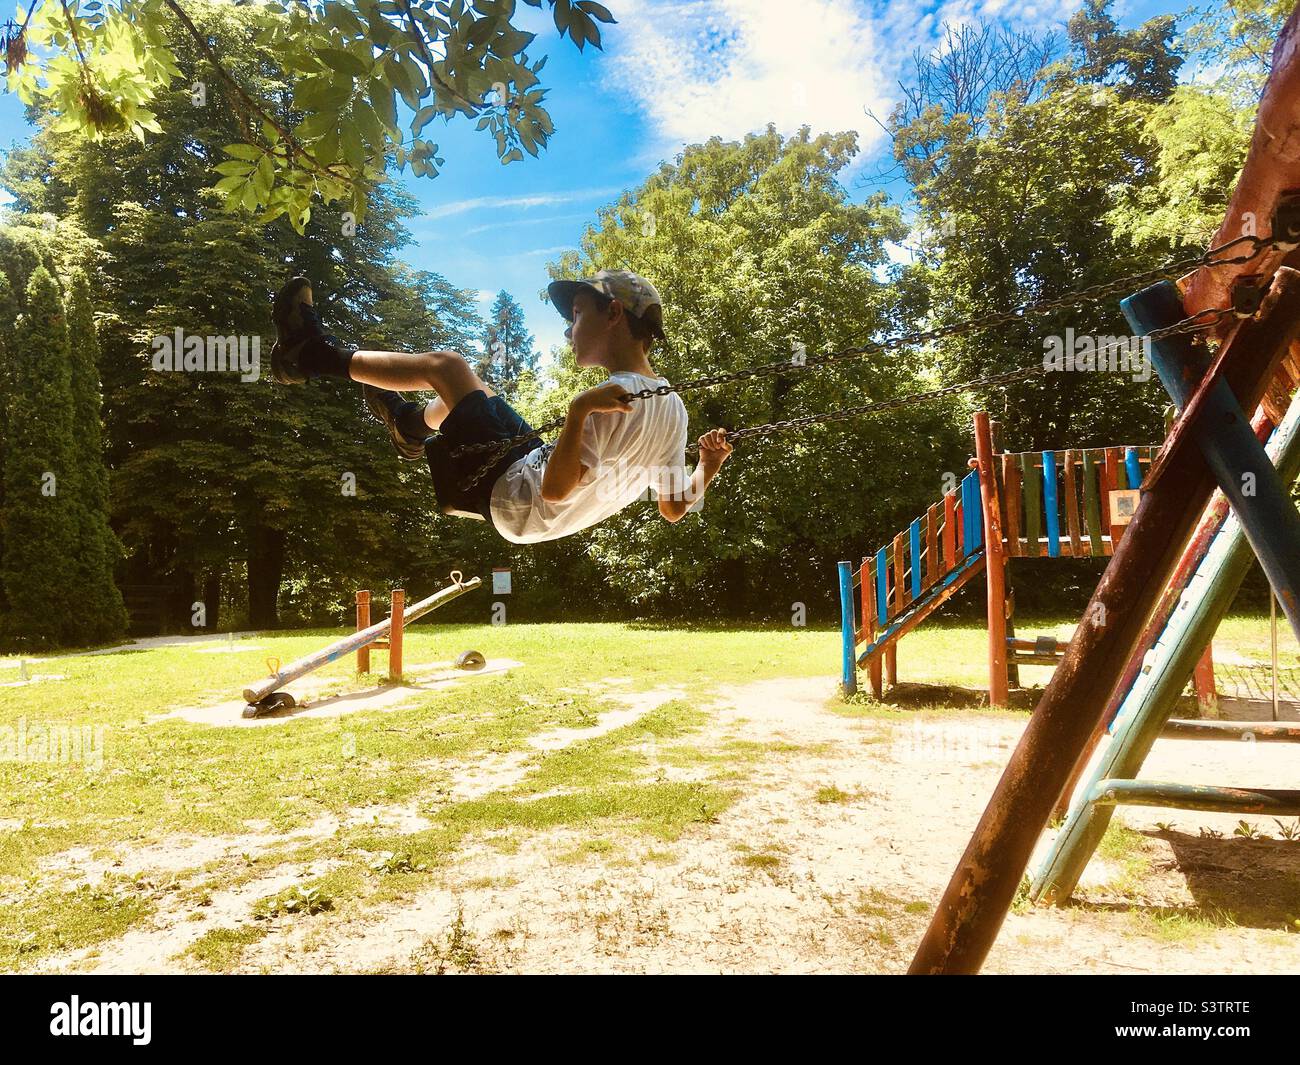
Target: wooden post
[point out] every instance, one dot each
(901, 595)
(1093, 489)
(1008, 591)
(950, 531)
(932, 568)
(867, 584)
(1050, 506)
(1031, 485)
(995, 562)
(1011, 484)
(396, 612)
(1207, 699)
(1072, 504)
(891, 664)
(363, 622)
(1113, 473)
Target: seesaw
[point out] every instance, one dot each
(264, 698)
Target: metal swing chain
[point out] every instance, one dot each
(497, 448)
(1197, 322)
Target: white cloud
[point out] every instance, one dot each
(5, 198)
(479, 203)
(527, 222)
(556, 250)
(703, 68)
(728, 67)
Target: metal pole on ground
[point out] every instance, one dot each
(849, 671)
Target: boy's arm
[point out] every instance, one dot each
(564, 467)
(714, 451)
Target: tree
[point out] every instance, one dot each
(1199, 140)
(332, 126)
(101, 614)
(423, 311)
(218, 479)
(1142, 62)
(1011, 209)
(42, 522)
(507, 345)
(1235, 39)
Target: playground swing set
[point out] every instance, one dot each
(1216, 496)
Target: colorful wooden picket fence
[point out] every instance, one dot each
(1053, 504)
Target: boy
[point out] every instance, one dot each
(609, 451)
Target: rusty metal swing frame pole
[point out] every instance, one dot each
(990, 871)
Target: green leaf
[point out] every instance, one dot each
(243, 151)
(599, 11)
(371, 129)
(316, 124)
(422, 118)
(326, 150)
(354, 151)
(233, 167)
(264, 177)
(342, 61)
(384, 102)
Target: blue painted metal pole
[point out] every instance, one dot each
(1050, 504)
(1233, 452)
(915, 545)
(849, 682)
(1196, 797)
(1134, 467)
(882, 587)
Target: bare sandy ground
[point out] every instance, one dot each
(780, 881)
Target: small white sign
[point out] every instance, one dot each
(501, 582)
(1123, 505)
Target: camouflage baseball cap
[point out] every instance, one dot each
(633, 291)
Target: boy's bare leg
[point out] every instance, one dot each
(446, 372)
(434, 412)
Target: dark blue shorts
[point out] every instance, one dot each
(476, 419)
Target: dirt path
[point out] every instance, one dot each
(845, 834)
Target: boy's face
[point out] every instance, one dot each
(590, 332)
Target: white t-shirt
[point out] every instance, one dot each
(625, 453)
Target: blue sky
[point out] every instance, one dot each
(672, 73)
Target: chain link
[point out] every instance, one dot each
(1196, 323)
(496, 449)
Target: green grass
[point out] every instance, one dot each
(220, 949)
(163, 779)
